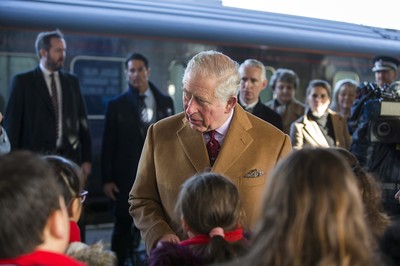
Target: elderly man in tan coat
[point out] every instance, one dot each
(245, 150)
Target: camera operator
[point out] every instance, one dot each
(376, 135)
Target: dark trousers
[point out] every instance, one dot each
(121, 237)
(125, 236)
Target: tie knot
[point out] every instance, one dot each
(211, 133)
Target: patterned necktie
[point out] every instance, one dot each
(54, 101)
(144, 116)
(213, 147)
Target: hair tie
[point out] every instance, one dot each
(217, 231)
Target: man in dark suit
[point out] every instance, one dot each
(127, 118)
(253, 81)
(45, 112)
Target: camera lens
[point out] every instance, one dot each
(383, 129)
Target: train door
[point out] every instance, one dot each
(101, 78)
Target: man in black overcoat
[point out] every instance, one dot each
(127, 118)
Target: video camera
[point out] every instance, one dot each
(384, 110)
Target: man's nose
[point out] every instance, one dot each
(191, 106)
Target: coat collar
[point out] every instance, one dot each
(237, 141)
(313, 132)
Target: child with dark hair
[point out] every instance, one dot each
(72, 181)
(33, 215)
(210, 212)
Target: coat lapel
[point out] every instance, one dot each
(132, 98)
(235, 144)
(236, 141)
(314, 134)
(42, 89)
(194, 147)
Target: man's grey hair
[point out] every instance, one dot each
(213, 64)
(254, 63)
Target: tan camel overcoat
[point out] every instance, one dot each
(173, 152)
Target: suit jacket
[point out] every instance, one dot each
(305, 132)
(123, 138)
(30, 121)
(267, 114)
(173, 152)
(293, 111)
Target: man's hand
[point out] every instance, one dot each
(168, 238)
(110, 189)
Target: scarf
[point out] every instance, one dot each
(231, 236)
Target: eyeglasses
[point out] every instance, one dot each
(83, 194)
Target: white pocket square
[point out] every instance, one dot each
(254, 173)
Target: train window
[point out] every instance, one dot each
(345, 75)
(11, 64)
(101, 78)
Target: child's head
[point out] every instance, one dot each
(209, 205)
(72, 181)
(312, 212)
(207, 201)
(32, 210)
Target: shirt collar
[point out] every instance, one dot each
(247, 106)
(224, 128)
(147, 92)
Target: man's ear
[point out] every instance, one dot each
(43, 53)
(231, 103)
(264, 84)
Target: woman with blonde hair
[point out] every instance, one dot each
(344, 94)
(312, 215)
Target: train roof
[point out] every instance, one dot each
(208, 21)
